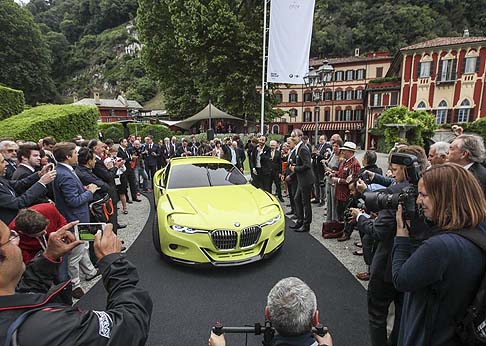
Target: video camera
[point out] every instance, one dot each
(266, 329)
(376, 201)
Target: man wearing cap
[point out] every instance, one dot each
(349, 167)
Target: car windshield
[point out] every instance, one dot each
(204, 175)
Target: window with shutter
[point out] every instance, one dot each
(478, 64)
(424, 69)
(418, 72)
(469, 65)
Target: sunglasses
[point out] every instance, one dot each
(13, 236)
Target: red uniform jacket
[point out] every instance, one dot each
(346, 168)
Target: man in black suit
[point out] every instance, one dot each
(173, 146)
(34, 186)
(9, 151)
(126, 154)
(305, 180)
(108, 176)
(165, 153)
(261, 165)
(276, 169)
(29, 159)
(321, 152)
(468, 151)
(151, 154)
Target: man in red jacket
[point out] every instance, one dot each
(34, 226)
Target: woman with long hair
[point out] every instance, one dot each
(440, 278)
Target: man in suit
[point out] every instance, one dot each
(108, 176)
(126, 154)
(321, 152)
(151, 154)
(11, 201)
(260, 165)
(173, 146)
(305, 180)
(8, 149)
(468, 151)
(184, 149)
(276, 169)
(72, 200)
(291, 179)
(165, 152)
(29, 159)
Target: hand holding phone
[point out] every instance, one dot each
(106, 243)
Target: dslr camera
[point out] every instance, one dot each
(380, 200)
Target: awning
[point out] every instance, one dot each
(334, 126)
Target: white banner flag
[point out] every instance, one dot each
(289, 40)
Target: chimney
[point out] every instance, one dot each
(97, 98)
(356, 52)
(466, 33)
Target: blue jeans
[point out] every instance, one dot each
(141, 172)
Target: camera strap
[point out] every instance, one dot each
(11, 339)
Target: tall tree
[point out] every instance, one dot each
(201, 50)
(25, 60)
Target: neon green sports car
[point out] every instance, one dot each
(208, 213)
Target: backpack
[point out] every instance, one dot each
(471, 329)
(102, 209)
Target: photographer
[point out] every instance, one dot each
(292, 310)
(441, 277)
(355, 200)
(50, 322)
(381, 292)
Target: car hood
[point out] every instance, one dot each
(222, 206)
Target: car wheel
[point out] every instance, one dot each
(156, 235)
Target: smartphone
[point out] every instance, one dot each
(50, 167)
(87, 231)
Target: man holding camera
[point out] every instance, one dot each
(405, 166)
(321, 152)
(34, 311)
(292, 310)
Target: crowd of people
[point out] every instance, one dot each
(422, 263)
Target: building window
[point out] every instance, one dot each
(349, 94)
(293, 97)
(421, 105)
(360, 74)
(328, 96)
(307, 116)
(338, 95)
(376, 100)
(359, 94)
(293, 113)
(424, 69)
(393, 99)
(470, 65)
(278, 98)
(379, 72)
(358, 114)
(348, 114)
(275, 129)
(441, 115)
(327, 115)
(308, 97)
(350, 75)
(448, 70)
(339, 115)
(339, 75)
(463, 113)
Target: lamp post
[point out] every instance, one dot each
(314, 79)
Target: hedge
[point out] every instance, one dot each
(63, 122)
(11, 102)
(115, 131)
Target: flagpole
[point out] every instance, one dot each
(262, 113)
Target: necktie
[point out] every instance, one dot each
(273, 154)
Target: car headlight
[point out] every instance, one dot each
(272, 221)
(189, 230)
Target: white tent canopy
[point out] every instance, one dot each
(209, 111)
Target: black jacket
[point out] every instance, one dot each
(303, 166)
(125, 322)
(11, 203)
(479, 172)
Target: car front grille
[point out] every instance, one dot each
(249, 236)
(224, 239)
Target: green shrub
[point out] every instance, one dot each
(115, 131)
(63, 122)
(11, 102)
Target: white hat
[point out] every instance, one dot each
(349, 146)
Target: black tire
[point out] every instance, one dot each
(156, 235)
